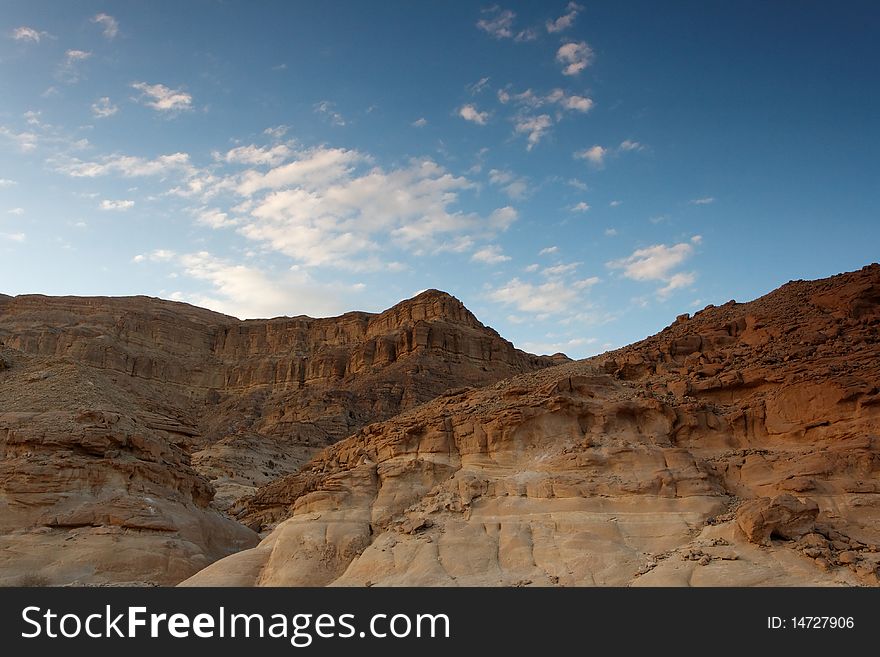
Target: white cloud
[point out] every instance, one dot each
(26, 141)
(595, 155)
(16, 211)
(128, 166)
(583, 206)
(676, 281)
(560, 97)
(702, 201)
(312, 167)
(276, 132)
(29, 34)
(567, 347)
(514, 186)
(68, 71)
(610, 232)
(574, 56)
(102, 108)
(552, 297)
(697, 239)
(499, 24)
(550, 250)
(116, 205)
(566, 20)
(159, 255)
(6, 182)
(478, 86)
(248, 292)
(331, 207)
(578, 184)
(557, 271)
(328, 111)
(257, 155)
(110, 25)
(420, 122)
(532, 268)
(162, 98)
(214, 218)
(614, 204)
(472, 114)
(528, 34)
(533, 126)
(657, 263)
(14, 237)
(490, 255)
(628, 145)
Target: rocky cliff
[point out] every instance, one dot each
(128, 424)
(738, 446)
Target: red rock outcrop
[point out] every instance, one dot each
(625, 469)
(121, 417)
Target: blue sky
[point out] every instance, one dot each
(576, 173)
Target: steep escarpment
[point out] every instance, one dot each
(128, 424)
(739, 446)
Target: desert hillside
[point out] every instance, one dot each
(129, 426)
(736, 447)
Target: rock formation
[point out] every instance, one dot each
(128, 424)
(738, 446)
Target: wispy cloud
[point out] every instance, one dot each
(246, 291)
(583, 206)
(595, 155)
(256, 155)
(16, 211)
(549, 250)
(121, 205)
(490, 255)
(6, 182)
(25, 141)
(334, 207)
(472, 114)
(276, 132)
(29, 34)
(552, 297)
(420, 123)
(516, 187)
(566, 20)
(162, 98)
(629, 145)
(102, 108)
(534, 127)
(574, 56)
(110, 25)
(128, 166)
(69, 71)
(706, 200)
(478, 86)
(327, 109)
(159, 255)
(14, 237)
(499, 24)
(658, 263)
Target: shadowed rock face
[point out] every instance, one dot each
(739, 446)
(127, 424)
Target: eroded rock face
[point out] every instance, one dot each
(625, 469)
(128, 424)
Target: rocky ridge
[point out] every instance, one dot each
(738, 446)
(128, 424)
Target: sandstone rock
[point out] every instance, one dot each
(127, 423)
(538, 479)
(784, 516)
